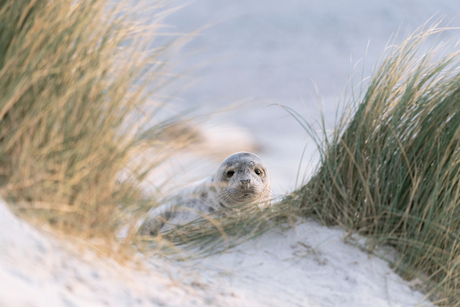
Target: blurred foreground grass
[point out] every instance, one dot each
(78, 80)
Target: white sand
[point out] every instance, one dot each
(37, 270)
(308, 266)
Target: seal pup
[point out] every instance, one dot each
(241, 178)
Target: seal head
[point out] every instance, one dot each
(242, 178)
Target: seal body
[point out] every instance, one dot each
(241, 178)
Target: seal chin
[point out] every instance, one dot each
(241, 195)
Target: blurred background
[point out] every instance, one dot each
(260, 54)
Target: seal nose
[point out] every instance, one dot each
(245, 183)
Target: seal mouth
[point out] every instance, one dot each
(247, 196)
(240, 195)
(244, 191)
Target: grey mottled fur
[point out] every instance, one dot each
(219, 191)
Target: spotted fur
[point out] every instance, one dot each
(241, 178)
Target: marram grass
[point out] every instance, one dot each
(72, 111)
(392, 170)
(77, 80)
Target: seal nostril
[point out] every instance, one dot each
(245, 181)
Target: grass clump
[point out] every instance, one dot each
(77, 79)
(391, 170)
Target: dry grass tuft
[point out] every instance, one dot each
(78, 80)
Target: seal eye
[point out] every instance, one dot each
(230, 174)
(258, 172)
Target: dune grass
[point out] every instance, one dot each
(391, 171)
(75, 113)
(78, 82)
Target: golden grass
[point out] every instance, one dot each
(78, 82)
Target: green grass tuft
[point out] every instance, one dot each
(392, 170)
